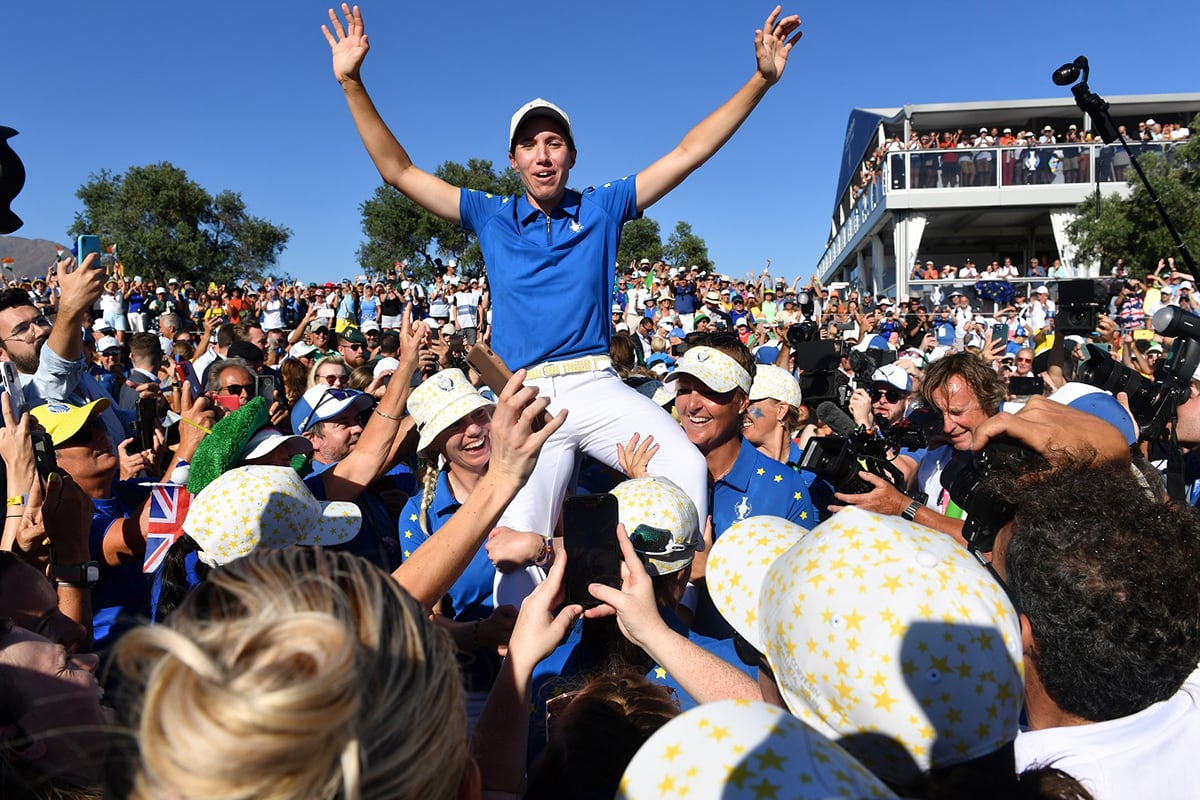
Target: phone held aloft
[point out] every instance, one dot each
(590, 539)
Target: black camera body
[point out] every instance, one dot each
(969, 479)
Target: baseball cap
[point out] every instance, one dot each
(1096, 401)
(63, 420)
(714, 369)
(917, 643)
(352, 335)
(370, 325)
(776, 383)
(737, 750)
(301, 350)
(325, 402)
(661, 522)
(711, 297)
(318, 325)
(102, 325)
(539, 108)
(267, 440)
(275, 508)
(893, 375)
(106, 343)
(440, 401)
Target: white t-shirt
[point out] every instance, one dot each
(1147, 754)
(466, 306)
(272, 315)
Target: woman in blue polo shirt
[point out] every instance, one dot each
(454, 422)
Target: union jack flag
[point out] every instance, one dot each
(168, 508)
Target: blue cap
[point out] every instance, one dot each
(766, 354)
(677, 333)
(1099, 403)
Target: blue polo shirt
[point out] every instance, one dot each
(761, 486)
(471, 594)
(557, 268)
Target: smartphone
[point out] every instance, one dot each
(85, 244)
(43, 453)
(590, 539)
(495, 374)
(264, 387)
(147, 418)
(10, 382)
(1026, 386)
(229, 402)
(1000, 333)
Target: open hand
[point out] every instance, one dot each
(772, 45)
(350, 46)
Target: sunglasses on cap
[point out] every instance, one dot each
(335, 394)
(651, 541)
(893, 395)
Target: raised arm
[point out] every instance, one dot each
(349, 45)
(772, 45)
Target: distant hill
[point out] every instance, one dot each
(31, 257)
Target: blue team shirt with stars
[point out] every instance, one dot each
(551, 269)
(471, 594)
(760, 486)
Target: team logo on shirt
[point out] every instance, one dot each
(575, 225)
(743, 509)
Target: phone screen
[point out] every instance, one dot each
(147, 416)
(265, 388)
(1000, 333)
(590, 539)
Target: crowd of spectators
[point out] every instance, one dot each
(1015, 158)
(293, 474)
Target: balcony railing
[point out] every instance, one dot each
(1062, 163)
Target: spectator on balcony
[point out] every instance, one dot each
(1058, 271)
(966, 161)
(1120, 157)
(931, 272)
(917, 271)
(1036, 269)
(949, 272)
(1008, 270)
(985, 159)
(968, 271)
(949, 160)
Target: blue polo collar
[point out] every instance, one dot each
(443, 503)
(568, 208)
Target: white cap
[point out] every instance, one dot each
(107, 343)
(539, 108)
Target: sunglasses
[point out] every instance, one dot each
(651, 541)
(247, 389)
(892, 395)
(334, 380)
(352, 345)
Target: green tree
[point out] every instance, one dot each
(165, 225)
(685, 248)
(640, 238)
(397, 229)
(1130, 227)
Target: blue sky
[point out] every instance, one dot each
(242, 97)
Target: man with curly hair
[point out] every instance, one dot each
(1104, 576)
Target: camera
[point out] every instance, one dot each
(1153, 403)
(971, 480)
(838, 459)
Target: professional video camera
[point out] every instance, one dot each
(838, 459)
(975, 482)
(1153, 403)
